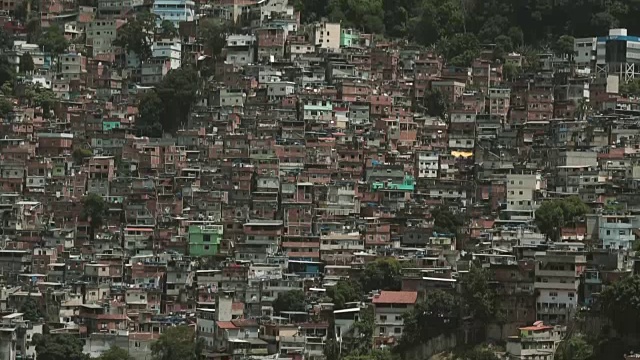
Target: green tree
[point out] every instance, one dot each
(44, 98)
(6, 107)
(115, 353)
(460, 49)
(479, 299)
(564, 47)
(371, 354)
(631, 88)
(361, 14)
(293, 300)
(137, 35)
(213, 34)
(504, 45)
(444, 221)
(311, 11)
(52, 40)
(516, 35)
(576, 347)
(437, 19)
(511, 71)
(620, 303)
(94, 209)
(150, 110)
(552, 215)
(79, 155)
(399, 17)
(30, 310)
(177, 91)
(7, 72)
(437, 315)
(382, 274)
(167, 29)
(6, 40)
(7, 89)
(177, 342)
(26, 63)
(479, 353)
(59, 347)
(343, 292)
(364, 329)
(435, 104)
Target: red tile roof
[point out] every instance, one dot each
(112, 317)
(244, 323)
(144, 336)
(538, 325)
(227, 325)
(534, 328)
(396, 297)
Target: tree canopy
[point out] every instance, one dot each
(343, 292)
(115, 353)
(26, 63)
(480, 300)
(438, 314)
(620, 303)
(30, 310)
(137, 35)
(382, 274)
(59, 347)
(177, 342)
(552, 215)
(576, 347)
(94, 210)
(532, 22)
(293, 300)
(6, 106)
(52, 39)
(150, 110)
(435, 104)
(444, 221)
(213, 31)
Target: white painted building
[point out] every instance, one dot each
(170, 49)
(557, 284)
(522, 201)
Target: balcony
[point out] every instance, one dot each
(556, 286)
(557, 273)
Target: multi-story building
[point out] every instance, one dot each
(241, 49)
(538, 341)
(326, 35)
(174, 11)
(557, 284)
(389, 307)
(523, 195)
(170, 49)
(204, 239)
(616, 232)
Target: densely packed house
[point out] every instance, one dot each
(309, 153)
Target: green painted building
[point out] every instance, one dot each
(349, 38)
(408, 184)
(110, 125)
(204, 240)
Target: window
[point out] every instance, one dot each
(383, 317)
(397, 330)
(553, 294)
(382, 330)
